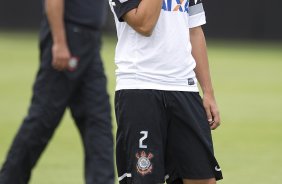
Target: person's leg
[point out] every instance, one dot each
(190, 149)
(92, 114)
(49, 100)
(91, 110)
(206, 181)
(46, 109)
(141, 136)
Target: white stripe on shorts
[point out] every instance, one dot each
(166, 177)
(125, 175)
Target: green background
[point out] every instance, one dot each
(247, 79)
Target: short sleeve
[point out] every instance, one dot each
(197, 16)
(121, 7)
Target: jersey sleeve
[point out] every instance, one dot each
(121, 7)
(197, 16)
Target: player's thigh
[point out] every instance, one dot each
(141, 136)
(206, 181)
(190, 149)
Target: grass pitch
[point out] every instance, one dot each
(248, 85)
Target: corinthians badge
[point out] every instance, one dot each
(144, 165)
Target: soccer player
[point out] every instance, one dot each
(164, 126)
(70, 75)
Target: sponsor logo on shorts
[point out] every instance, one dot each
(122, 1)
(217, 168)
(144, 165)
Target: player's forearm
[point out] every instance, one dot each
(144, 18)
(55, 14)
(199, 52)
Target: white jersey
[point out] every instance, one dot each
(162, 61)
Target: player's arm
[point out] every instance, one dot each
(60, 51)
(144, 18)
(202, 71)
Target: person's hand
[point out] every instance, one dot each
(211, 110)
(61, 56)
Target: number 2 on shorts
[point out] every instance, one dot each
(145, 136)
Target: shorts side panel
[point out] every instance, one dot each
(190, 148)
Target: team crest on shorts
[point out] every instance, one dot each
(144, 165)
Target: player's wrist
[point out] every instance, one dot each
(208, 91)
(59, 38)
(60, 42)
(208, 95)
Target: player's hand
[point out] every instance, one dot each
(211, 110)
(61, 56)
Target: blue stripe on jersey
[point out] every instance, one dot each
(179, 5)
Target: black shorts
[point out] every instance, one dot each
(163, 136)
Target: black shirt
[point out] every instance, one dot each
(89, 13)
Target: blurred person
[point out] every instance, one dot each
(164, 126)
(70, 75)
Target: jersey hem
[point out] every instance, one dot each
(138, 84)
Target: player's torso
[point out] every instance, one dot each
(164, 57)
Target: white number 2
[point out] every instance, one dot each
(145, 136)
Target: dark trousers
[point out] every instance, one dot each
(84, 92)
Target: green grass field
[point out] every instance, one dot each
(248, 84)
